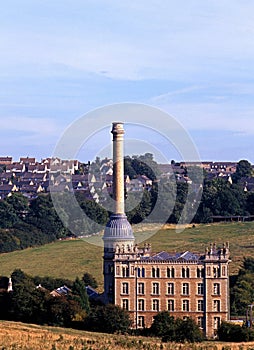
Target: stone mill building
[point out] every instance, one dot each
(144, 283)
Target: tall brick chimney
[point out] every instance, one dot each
(118, 232)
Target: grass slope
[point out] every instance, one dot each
(69, 259)
(15, 335)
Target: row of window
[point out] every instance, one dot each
(170, 272)
(155, 305)
(155, 288)
(199, 320)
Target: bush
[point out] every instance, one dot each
(169, 329)
(187, 330)
(163, 326)
(108, 319)
(234, 333)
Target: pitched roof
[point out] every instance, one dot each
(165, 256)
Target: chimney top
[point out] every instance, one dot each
(117, 128)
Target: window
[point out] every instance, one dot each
(185, 272)
(141, 272)
(117, 270)
(171, 288)
(156, 305)
(125, 288)
(216, 289)
(216, 272)
(208, 271)
(224, 270)
(141, 288)
(216, 305)
(141, 304)
(200, 272)
(125, 271)
(155, 272)
(216, 322)
(125, 304)
(185, 289)
(156, 288)
(171, 305)
(200, 288)
(200, 305)
(186, 305)
(141, 321)
(200, 321)
(170, 272)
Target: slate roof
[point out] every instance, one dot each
(165, 256)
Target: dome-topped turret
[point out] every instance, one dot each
(118, 228)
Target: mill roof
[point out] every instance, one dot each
(164, 256)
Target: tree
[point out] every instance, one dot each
(128, 169)
(89, 280)
(242, 290)
(243, 169)
(250, 203)
(8, 216)
(19, 204)
(44, 216)
(8, 242)
(94, 211)
(169, 329)
(80, 294)
(248, 265)
(108, 319)
(142, 210)
(51, 283)
(145, 165)
(221, 198)
(163, 326)
(61, 311)
(188, 330)
(27, 302)
(234, 333)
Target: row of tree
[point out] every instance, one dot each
(174, 198)
(31, 301)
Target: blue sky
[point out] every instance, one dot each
(192, 59)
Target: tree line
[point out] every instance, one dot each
(31, 301)
(220, 197)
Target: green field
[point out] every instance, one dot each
(69, 259)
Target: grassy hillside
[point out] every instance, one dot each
(72, 258)
(32, 337)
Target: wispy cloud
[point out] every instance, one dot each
(171, 94)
